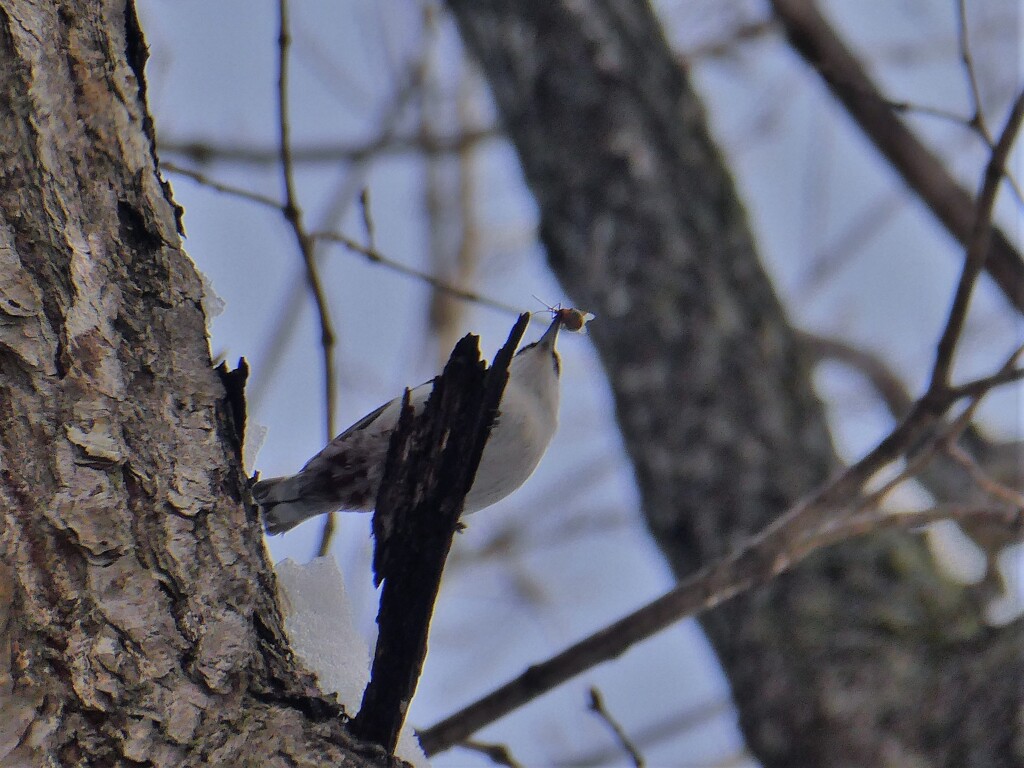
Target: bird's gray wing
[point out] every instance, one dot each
(364, 422)
(417, 397)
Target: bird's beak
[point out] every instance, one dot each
(551, 334)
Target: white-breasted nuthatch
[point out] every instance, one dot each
(346, 474)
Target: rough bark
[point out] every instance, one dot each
(432, 461)
(865, 655)
(138, 622)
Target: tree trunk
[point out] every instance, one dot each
(865, 655)
(138, 617)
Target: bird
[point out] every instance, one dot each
(346, 474)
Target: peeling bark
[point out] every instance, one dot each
(433, 458)
(138, 621)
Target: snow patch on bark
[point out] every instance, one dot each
(322, 633)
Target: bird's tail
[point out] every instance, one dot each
(283, 505)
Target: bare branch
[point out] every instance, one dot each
(671, 724)
(293, 215)
(758, 562)
(815, 40)
(835, 255)
(983, 479)
(829, 515)
(977, 248)
(1006, 375)
(888, 385)
(331, 519)
(207, 151)
(596, 706)
(227, 189)
(346, 190)
(1005, 517)
(977, 121)
(376, 257)
(373, 255)
(725, 46)
(924, 109)
(367, 216)
(497, 753)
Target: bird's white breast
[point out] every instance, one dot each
(527, 419)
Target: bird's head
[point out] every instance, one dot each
(541, 355)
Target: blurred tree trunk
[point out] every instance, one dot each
(138, 622)
(865, 655)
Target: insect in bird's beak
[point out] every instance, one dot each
(572, 319)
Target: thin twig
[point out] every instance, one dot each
(726, 46)
(924, 109)
(878, 520)
(814, 38)
(293, 215)
(498, 754)
(835, 255)
(331, 518)
(968, 123)
(921, 455)
(1005, 376)
(885, 381)
(977, 248)
(373, 255)
(983, 479)
(668, 726)
(919, 458)
(977, 120)
(939, 479)
(364, 209)
(376, 257)
(596, 705)
(205, 151)
(346, 191)
(218, 186)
